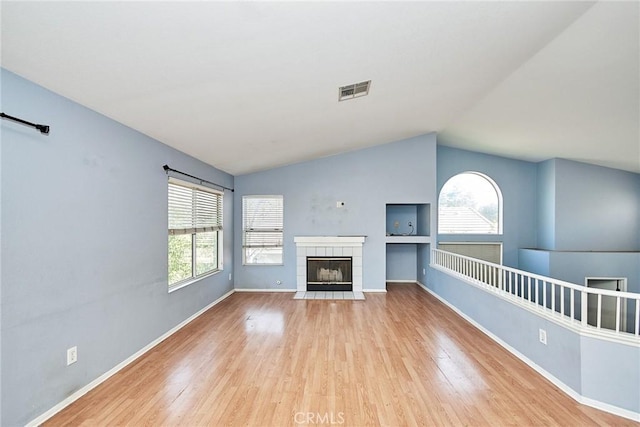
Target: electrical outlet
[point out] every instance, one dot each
(542, 334)
(410, 224)
(396, 224)
(278, 282)
(229, 276)
(72, 355)
(339, 204)
(424, 271)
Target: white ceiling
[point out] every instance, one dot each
(250, 86)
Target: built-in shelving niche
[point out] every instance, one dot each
(407, 245)
(398, 218)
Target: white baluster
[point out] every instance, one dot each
(599, 322)
(617, 314)
(572, 302)
(637, 326)
(584, 295)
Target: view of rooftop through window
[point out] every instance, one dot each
(469, 203)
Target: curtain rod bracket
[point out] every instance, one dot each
(44, 129)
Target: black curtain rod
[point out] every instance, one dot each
(167, 169)
(42, 128)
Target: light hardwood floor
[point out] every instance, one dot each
(401, 358)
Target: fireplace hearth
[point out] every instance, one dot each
(329, 274)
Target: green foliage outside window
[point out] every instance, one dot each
(180, 258)
(206, 252)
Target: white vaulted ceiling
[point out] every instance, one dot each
(251, 86)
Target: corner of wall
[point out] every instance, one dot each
(546, 204)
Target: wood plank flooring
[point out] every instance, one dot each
(396, 359)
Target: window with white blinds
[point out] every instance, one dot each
(195, 231)
(262, 229)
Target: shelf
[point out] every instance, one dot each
(408, 239)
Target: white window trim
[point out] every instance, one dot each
(262, 264)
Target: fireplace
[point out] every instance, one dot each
(329, 274)
(330, 247)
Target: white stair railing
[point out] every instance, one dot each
(575, 306)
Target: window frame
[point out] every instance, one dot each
(245, 231)
(500, 222)
(194, 230)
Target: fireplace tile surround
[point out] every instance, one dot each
(331, 246)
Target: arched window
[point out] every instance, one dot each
(470, 203)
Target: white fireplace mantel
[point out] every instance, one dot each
(328, 246)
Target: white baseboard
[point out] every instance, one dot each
(102, 378)
(372, 291)
(264, 290)
(615, 410)
(402, 282)
(635, 416)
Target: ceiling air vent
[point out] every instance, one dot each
(355, 90)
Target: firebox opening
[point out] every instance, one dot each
(329, 274)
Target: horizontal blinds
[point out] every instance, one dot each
(263, 239)
(262, 213)
(262, 219)
(193, 210)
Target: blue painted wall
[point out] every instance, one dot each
(1, 239)
(535, 261)
(402, 262)
(403, 215)
(546, 204)
(597, 208)
(611, 373)
(84, 247)
(366, 180)
(583, 207)
(424, 258)
(517, 181)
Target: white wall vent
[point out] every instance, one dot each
(355, 90)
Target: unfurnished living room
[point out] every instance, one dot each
(320, 213)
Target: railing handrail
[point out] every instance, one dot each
(581, 288)
(553, 299)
